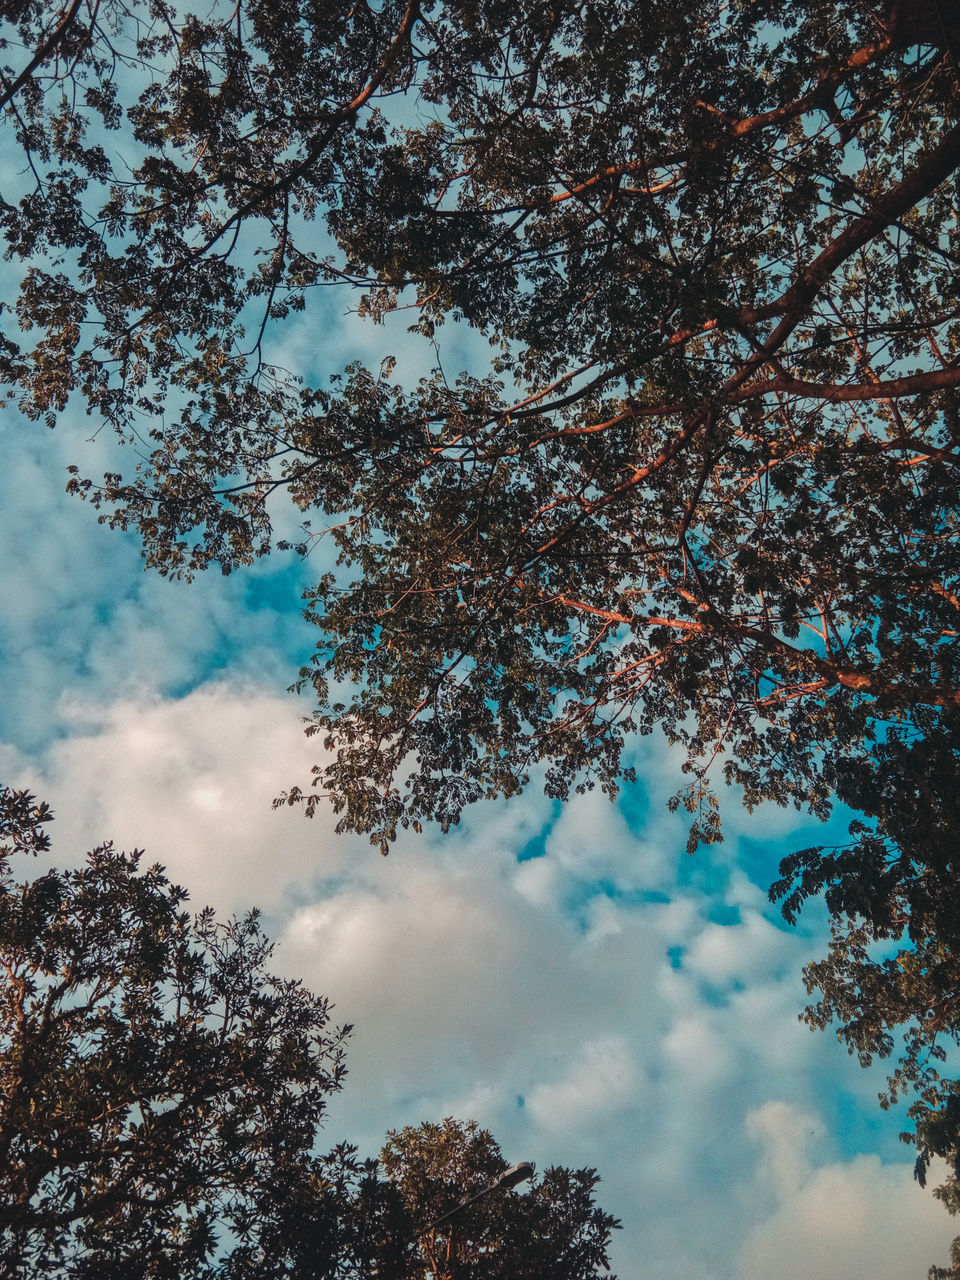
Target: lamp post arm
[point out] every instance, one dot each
(509, 1178)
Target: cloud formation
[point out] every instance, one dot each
(862, 1219)
(597, 1004)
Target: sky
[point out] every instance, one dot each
(564, 974)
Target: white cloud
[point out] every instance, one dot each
(861, 1219)
(783, 1133)
(191, 782)
(592, 841)
(453, 978)
(748, 951)
(601, 1080)
(697, 1053)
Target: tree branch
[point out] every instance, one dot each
(41, 55)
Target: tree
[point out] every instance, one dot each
(709, 482)
(713, 250)
(553, 1229)
(161, 1092)
(161, 1096)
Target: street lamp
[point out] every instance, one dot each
(509, 1178)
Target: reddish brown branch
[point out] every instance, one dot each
(829, 672)
(836, 393)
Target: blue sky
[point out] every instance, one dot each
(564, 974)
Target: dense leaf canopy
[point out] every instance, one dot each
(553, 1229)
(711, 482)
(161, 1093)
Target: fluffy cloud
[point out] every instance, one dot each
(862, 1219)
(191, 782)
(594, 1005)
(602, 1079)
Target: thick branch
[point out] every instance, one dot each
(933, 168)
(41, 55)
(835, 393)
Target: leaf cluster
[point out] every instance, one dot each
(554, 1228)
(161, 1091)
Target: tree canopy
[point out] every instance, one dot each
(552, 1229)
(161, 1099)
(160, 1093)
(710, 481)
(707, 481)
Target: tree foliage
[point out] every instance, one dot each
(710, 483)
(552, 1229)
(161, 1093)
(161, 1097)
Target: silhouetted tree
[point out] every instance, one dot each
(552, 1228)
(161, 1096)
(161, 1093)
